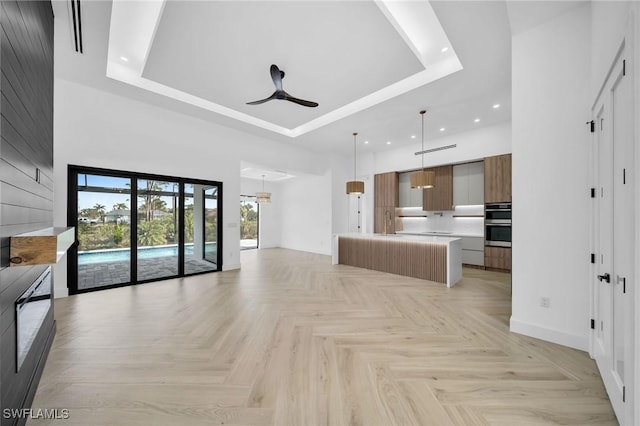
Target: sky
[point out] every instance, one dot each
(87, 200)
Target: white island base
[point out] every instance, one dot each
(431, 258)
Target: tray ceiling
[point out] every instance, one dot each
(347, 56)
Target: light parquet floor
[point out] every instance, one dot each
(292, 340)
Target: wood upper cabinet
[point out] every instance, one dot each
(440, 197)
(386, 189)
(497, 179)
(385, 201)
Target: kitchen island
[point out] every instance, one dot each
(431, 258)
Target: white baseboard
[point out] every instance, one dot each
(59, 293)
(231, 267)
(308, 250)
(269, 245)
(549, 334)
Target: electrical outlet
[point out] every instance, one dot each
(545, 302)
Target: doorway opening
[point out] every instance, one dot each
(249, 222)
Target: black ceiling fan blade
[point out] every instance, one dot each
(276, 76)
(261, 101)
(300, 101)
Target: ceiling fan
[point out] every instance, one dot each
(277, 76)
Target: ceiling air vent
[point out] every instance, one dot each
(76, 20)
(440, 148)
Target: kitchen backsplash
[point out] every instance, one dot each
(464, 220)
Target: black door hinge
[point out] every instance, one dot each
(624, 393)
(593, 258)
(593, 324)
(624, 176)
(593, 193)
(592, 126)
(624, 67)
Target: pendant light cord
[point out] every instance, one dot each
(422, 114)
(354, 156)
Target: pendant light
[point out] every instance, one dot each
(355, 186)
(263, 197)
(423, 178)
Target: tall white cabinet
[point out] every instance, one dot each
(408, 197)
(468, 183)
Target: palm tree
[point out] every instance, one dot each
(247, 221)
(120, 206)
(100, 211)
(188, 224)
(152, 200)
(151, 234)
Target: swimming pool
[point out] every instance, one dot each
(121, 255)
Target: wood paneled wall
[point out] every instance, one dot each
(402, 257)
(385, 200)
(26, 203)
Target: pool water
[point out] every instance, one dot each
(120, 255)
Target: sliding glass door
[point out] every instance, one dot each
(200, 229)
(157, 229)
(210, 195)
(103, 224)
(133, 228)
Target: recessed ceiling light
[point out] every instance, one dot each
(442, 129)
(444, 49)
(413, 136)
(124, 59)
(388, 142)
(477, 120)
(366, 142)
(496, 106)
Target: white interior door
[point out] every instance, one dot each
(604, 235)
(614, 236)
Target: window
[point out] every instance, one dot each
(133, 228)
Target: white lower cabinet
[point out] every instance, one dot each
(473, 250)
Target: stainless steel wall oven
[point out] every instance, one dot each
(497, 225)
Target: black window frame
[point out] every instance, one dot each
(72, 219)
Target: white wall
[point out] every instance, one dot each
(366, 172)
(307, 213)
(341, 172)
(550, 104)
(270, 225)
(608, 24)
(636, 288)
(471, 145)
(99, 129)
